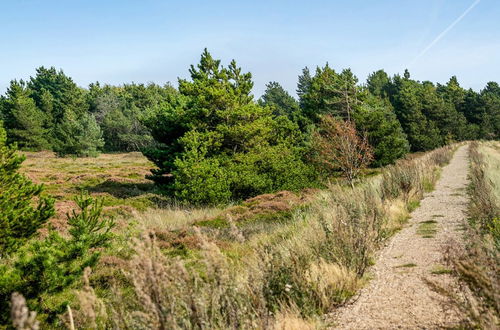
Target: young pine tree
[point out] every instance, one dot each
(282, 103)
(23, 207)
(43, 270)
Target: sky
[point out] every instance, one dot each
(155, 41)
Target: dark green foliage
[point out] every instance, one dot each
(378, 84)
(421, 132)
(282, 103)
(442, 111)
(328, 93)
(23, 207)
(384, 131)
(78, 135)
(24, 122)
(432, 116)
(490, 119)
(119, 110)
(3, 135)
(217, 144)
(42, 269)
(304, 84)
(55, 93)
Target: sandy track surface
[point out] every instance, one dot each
(398, 297)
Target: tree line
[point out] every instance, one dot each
(212, 142)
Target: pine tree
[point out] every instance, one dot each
(378, 83)
(44, 270)
(422, 133)
(282, 104)
(217, 144)
(384, 131)
(65, 95)
(329, 93)
(304, 83)
(442, 111)
(78, 135)
(23, 207)
(24, 122)
(490, 120)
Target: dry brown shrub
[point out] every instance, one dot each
(91, 311)
(340, 147)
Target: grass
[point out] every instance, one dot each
(427, 229)
(117, 178)
(440, 270)
(491, 154)
(274, 261)
(409, 265)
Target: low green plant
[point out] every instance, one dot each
(43, 270)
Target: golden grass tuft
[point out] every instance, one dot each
(290, 319)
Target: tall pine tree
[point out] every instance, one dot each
(24, 121)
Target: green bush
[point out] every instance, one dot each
(42, 270)
(23, 207)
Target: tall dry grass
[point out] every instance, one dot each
(477, 266)
(286, 277)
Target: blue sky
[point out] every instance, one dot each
(144, 40)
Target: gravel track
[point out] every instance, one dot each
(398, 297)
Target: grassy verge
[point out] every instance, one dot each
(477, 266)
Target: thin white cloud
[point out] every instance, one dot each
(442, 34)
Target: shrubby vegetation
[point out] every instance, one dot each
(210, 130)
(251, 269)
(216, 144)
(41, 269)
(44, 271)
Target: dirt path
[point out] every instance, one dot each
(397, 297)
